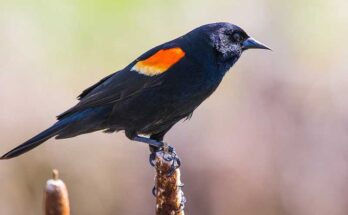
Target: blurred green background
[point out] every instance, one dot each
(272, 139)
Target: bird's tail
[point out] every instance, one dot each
(37, 140)
(86, 121)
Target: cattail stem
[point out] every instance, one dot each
(56, 196)
(169, 196)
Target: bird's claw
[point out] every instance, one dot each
(154, 191)
(176, 162)
(169, 155)
(152, 159)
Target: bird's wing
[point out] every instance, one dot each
(145, 72)
(94, 86)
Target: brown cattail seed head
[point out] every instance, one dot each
(56, 196)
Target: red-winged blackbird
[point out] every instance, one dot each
(155, 91)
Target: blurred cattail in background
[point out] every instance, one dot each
(56, 196)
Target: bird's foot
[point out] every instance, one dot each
(164, 150)
(168, 154)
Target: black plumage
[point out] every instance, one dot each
(150, 100)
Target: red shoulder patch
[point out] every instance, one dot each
(160, 62)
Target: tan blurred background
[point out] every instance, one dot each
(272, 140)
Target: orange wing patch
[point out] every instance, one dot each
(160, 62)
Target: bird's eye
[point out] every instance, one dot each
(237, 37)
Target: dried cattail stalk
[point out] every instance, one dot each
(56, 196)
(169, 196)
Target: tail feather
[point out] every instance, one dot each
(37, 140)
(78, 123)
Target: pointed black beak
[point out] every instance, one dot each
(251, 43)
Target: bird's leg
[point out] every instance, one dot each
(168, 154)
(151, 142)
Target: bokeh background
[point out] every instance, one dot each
(272, 140)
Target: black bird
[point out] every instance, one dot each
(155, 91)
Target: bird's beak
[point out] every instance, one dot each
(251, 43)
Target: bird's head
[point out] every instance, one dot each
(227, 40)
